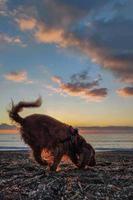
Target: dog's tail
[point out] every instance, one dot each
(15, 109)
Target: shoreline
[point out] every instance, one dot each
(27, 149)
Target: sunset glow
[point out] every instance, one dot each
(77, 55)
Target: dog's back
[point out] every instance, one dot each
(42, 124)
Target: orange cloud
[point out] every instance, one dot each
(125, 92)
(17, 77)
(42, 33)
(26, 24)
(46, 35)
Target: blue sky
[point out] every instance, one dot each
(78, 55)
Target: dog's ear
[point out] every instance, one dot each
(73, 130)
(76, 131)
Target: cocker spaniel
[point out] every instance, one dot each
(42, 132)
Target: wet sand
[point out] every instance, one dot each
(21, 178)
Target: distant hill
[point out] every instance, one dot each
(108, 127)
(7, 126)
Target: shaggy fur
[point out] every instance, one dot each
(44, 132)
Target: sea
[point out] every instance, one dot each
(100, 139)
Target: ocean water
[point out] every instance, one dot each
(105, 140)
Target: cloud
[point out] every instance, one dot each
(26, 24)
(113, 53)
(101, 30)
(40, 31)
(3, 7)
(52, 19)
(17, 77)
(56, 79)
(80, 85)
(126, 91)
(65, 13)
(45, 35)
(6, 39)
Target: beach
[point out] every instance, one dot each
(22, 178)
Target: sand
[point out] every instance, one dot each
(21, 178)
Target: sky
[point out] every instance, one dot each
(77, 55)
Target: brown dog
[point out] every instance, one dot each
(44, 132)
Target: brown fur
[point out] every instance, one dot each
(85, 152)
(44, 132)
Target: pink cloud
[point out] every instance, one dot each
(17, 77)
(79, 86)
(56, 79)
(125, 92)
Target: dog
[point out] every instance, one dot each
(44, 132)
